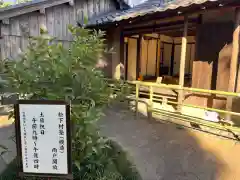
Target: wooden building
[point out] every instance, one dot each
(19, 22)
(193, 43)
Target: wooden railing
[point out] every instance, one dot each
(155, 97)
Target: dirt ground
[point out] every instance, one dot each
(164, 152)
(6, 132)
(5, 122)
(160, 151)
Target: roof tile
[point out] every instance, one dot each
(148, 7)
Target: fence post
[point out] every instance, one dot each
(150, 106)
(136, 100)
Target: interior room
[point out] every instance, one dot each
(159, 57)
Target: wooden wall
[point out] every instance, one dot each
(148, 57)
(15, 35)
(132, 59)
(211, 67)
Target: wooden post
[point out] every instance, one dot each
(138, 64)
(136, 100)
(122, 54)
(126, 63)
(150, 105)
(234, 62)
(182, 63)
(158, 56)
(172, 59)
(116, 61)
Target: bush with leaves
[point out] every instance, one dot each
(47, 70)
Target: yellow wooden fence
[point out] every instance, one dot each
(153, 96)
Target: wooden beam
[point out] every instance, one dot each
(6, 21)
(42, 11)
(122, 52)
(182, 63)
(172, 59)
(234, 62)
(159, 22)
(154, 22)
(116, 64)
(158, 55)
(161, 25)
(160, 30)
(126, 62)
(139, 43)
(71, 2)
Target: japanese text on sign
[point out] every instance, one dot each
(43, 138)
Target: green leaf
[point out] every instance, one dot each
(77, 164)
(85, 20)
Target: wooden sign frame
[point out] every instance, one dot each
(21, 174)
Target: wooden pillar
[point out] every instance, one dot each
(116, 56)
(157, 58)
(234, 61)
(182, 63)
(172, 59)
(122, 54)
(138, 64)
(126, 62)
(158, 55)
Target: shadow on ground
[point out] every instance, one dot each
(163, 152)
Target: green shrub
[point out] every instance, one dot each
(119, 168)
(49, 71)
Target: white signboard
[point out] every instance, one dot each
(43, 130)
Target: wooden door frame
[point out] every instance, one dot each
(126, 60)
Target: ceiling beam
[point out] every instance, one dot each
(168, 24)
(159, 21)
(160, 31)
(157, 29)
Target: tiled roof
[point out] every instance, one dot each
(148, 7)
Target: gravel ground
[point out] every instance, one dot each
(164, 152)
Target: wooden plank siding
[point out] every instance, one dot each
(15, 34)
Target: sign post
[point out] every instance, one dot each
(43, 138)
